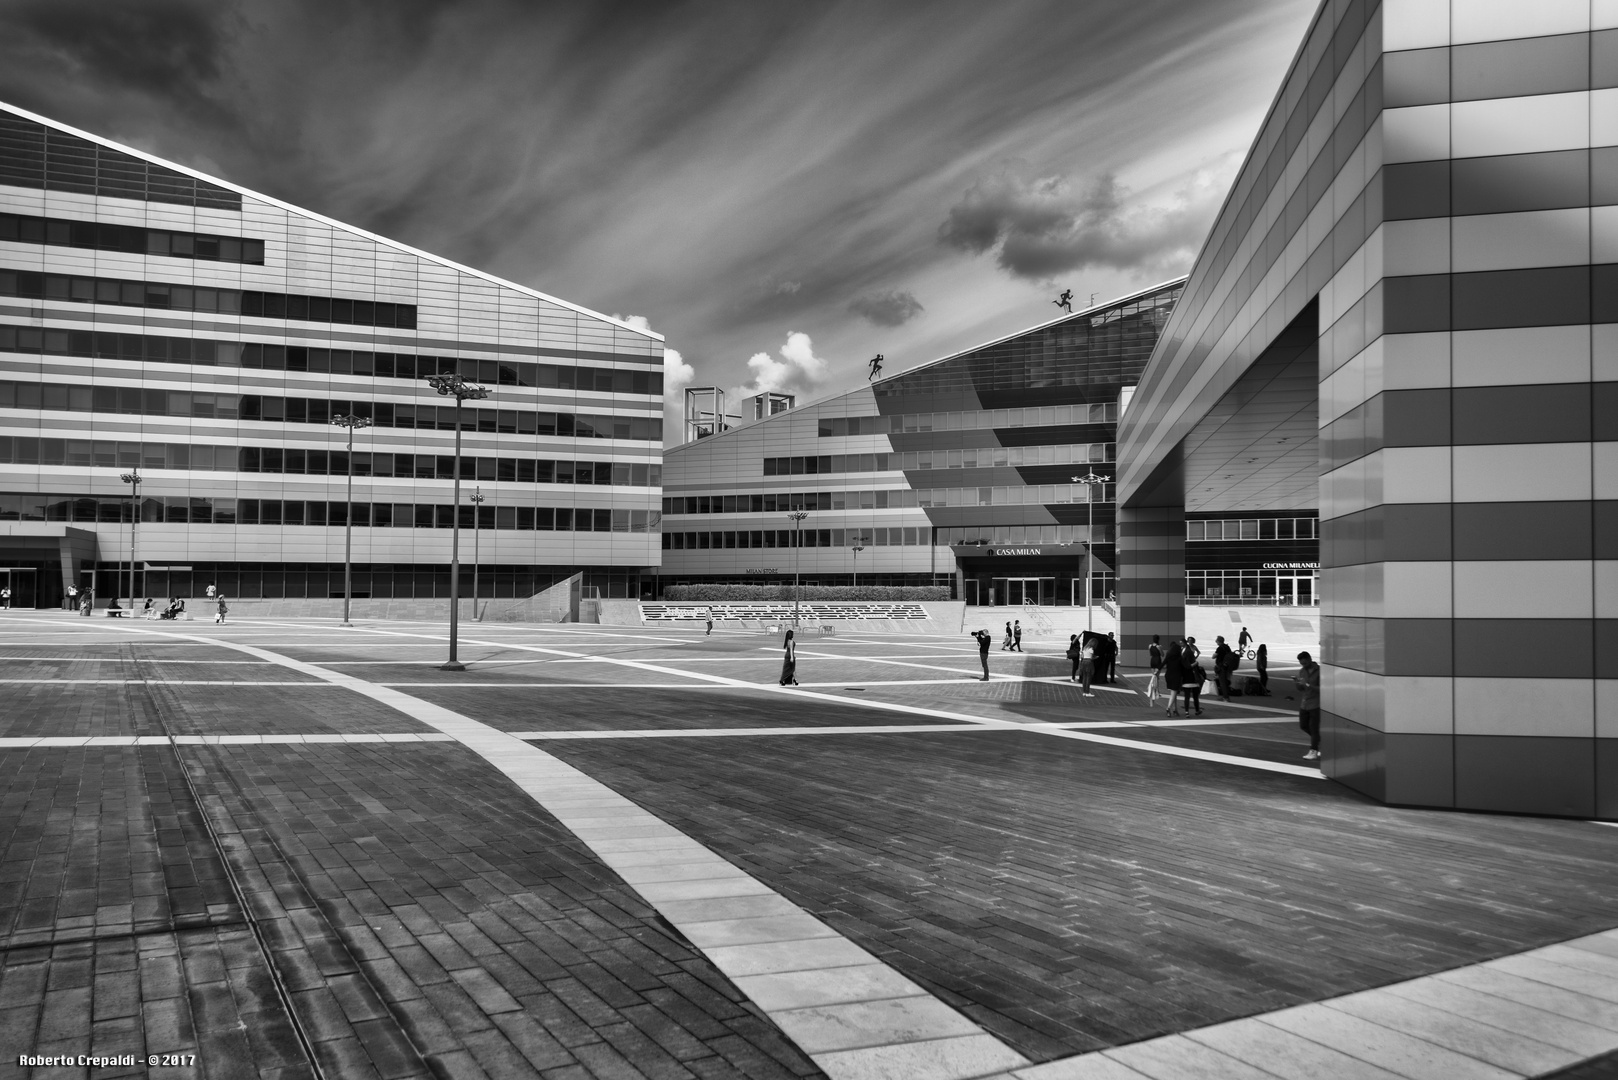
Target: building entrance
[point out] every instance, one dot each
(1298, 591)
(1017, 591)
(23, 583)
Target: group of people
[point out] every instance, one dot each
(1180, 673)
(1013, 642)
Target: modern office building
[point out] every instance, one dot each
(1406, 317)
(159, 321)
(959, 472)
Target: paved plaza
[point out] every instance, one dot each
(280, 848)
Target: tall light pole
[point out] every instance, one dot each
(350, 422)
(477, 537)
(1089, 480)
(797, 517)
(133, 479)
(859, 546)
(462, 390)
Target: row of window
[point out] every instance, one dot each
(1253, 529)
(1038, 416)
(889, 536)
(35, 156)
(893, 536)
(100, 345)
(133, 239)
(151, 294)
(195, 511)
(983, 457)
(149, 402)
(103, 453)
(780, 502)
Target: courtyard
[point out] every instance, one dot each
(282, 848)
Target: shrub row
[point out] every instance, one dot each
(716, 594)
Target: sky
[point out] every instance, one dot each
(782, 188)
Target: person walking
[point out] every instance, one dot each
(1154, 657)
(223, 609)
(1073, 655)
(789, 661)
(1307, 680)
(71, 601)
(709, 631)
(1005, 646)
(984, 640)
(1224, 664)
(1174, 675)
(1261, 661)
(87, 601)
(1016, 636)
(1111, 669)
(5, 597)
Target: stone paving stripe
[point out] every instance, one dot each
(877, 729)
(44, 741)
(786, 990)
(167, 682)
(578, 801)
(917, 710)
(1522, 1015)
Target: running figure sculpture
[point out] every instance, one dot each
(876, 366)
(1065, 301)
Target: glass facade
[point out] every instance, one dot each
(156, 322)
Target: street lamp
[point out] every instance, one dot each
(462, 391)
(1089, 480)
(477, 537)
(133, 479)
(350, 422)
(859, 546)
(797, 517)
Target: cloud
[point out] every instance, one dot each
(895, 307)
(677, 375)
(797, 371)
(1042, 226)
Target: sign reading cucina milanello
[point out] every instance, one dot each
(1292, 566)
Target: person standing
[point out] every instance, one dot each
(1111, 670)
(1307, 680)
(1224, 664)
(212, 590)
(5, 597)
(1016, 636)
(1174, 675)
(223, 610)
(1073, 655)
(984, 640)
(1087, 664)
(1261, 661)
(1154, 657)
(1005, 646)
(789, 661)
(709, 631)
(1195, 676)
(72, 600)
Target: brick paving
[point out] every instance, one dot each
(1096, 896)
(410, 912)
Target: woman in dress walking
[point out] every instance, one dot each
(789, 662)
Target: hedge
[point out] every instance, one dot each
(732, 593)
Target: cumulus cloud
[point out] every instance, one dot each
(796, 370)
(1042, 226)
(895, 307)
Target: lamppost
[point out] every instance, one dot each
(350, 422)
(859, 546)
(462, 390)
(797, 517)
(1089, 480)
(133, 479)
(477, 538)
